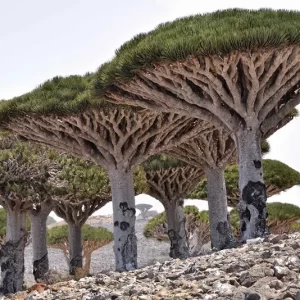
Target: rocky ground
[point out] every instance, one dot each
(149, 252)
(261, 270)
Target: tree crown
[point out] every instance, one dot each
(217, 33)
(58, 234)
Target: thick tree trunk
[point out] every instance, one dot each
(253, 197)
(221, 234)
(125, 244)
(176, 230)
(75, 247)
(39, 245)
(12, 266)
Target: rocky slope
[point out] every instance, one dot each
(261, 270)
(149, 251)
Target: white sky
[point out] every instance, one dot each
(42, 39)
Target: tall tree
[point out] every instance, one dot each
(238, 69)
(61, 113)
(170, 181)
(211, 152)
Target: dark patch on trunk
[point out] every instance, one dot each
(75, 263)
(257, 164)
(119, 249)
(254, 193)
(226, 237)
(129, 253)
(174, 240)
(12, 265)
(124, 225)
(40, 268)
(124, 207)
(116, 223)
(180, 203)
(222, 227)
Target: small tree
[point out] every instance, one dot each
(143, 208)
(170, 180)
(211, 152)
(93, 238)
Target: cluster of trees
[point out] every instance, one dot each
(283, 218)
(204, 90)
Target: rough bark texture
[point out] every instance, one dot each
(260, 85)
(12, 262)
(212, 152)
(170, 186)
(75, 250)
(214, 149)
(38, 219)
(253, 197)
(125, 243)
(111, 136)
(254, 89)
(75, 213)
(220, 228)
(179, 247)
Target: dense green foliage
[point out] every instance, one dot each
(59, 234)
(214, 33)
(160, 219)
(24, 170)
(276, 174)
(59, 95)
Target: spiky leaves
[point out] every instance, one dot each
(216, 33)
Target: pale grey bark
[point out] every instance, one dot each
(253, 197)
(39, 244)
(125, 243)
(12, 266)
(179, 247)
(75, 247)
(220, 229)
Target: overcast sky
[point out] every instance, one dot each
(42, 39)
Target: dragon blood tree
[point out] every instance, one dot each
(23, 183)
(170, 180)
(82, 189)
(278, 177)
(62, 114)
(239, 69)
(211, 152)
(93, 238)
